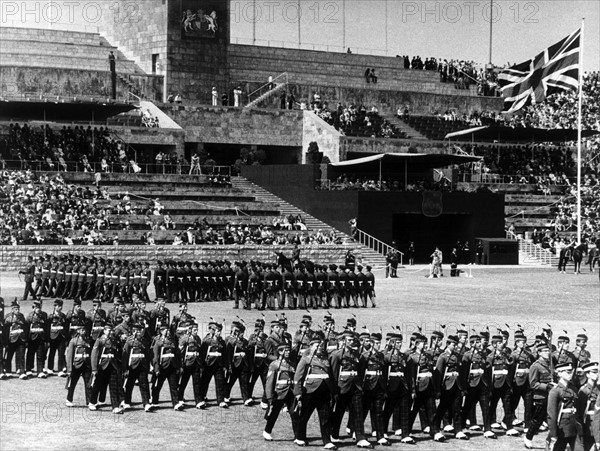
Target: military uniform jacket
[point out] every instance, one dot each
(300, 279)
(106, 352)
(135, 354)
(420, 367)
(28, 271)
(160, 276)
(563, 356)
(177, 327)
(38, 326)
(375, 371)
(258, 352)
(58, 325)
(237, 352)
(76, 319)
(97, 320)
(271, 345)
(580, 358)
(397, 375)
(78, 353)
(166, 353)
(446, 374)
(501, 365)
(311, 283)
(240, 281)
(348, 368)
(522, 362)
(280, 380)
(474, 369)
(254, 283)
(213, 351)
(301, 340)
(313, 372)
(159, 317)
(540, 378)
(16, 325)
(586, 400)
(332, 341)
(123, 329)
(562, 418)
(190, 347)
(333, 280)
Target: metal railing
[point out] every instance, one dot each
(51, 97)
(281, 79)
(489, 178)
(535, 251)
(309, 46)
(377, 245)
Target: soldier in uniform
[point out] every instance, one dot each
(106, 370)
(300, 288)
(178, 325)
(523, 359)
(314, 389)
(159, 315)
(540, 380)
(301, 339)
(279, 390)
(60, 277)
(331, 336)
(135, 367)
(15, 326)
(58, 338)
(240, 282)
(124, 329)
(99, 281)
(160, 277)
(3, 331)
(586, 400)
(37, 324)
(370, 286)
(562, 413)
(361, 286)
(375, 386)
(189, 347)
(581, 357)
(28, 271)
(97, 319)
(90, 280)
(45, 282)
(79, 365)
(259, 363)
(167, 365)
(239, 361)
(213, 353)
(145, 277)
(53, 283)
(348, 368)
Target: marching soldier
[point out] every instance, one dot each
(37, 323)
(361, 282)
(166, 367)
(158, 316)
(58, 339)
(586, 400)
(314, 389)
(213, 353)
(540, 380)
(321, 296)
(135, 368)
(301, 339)
(16, 326)
(60, 277)
(78, 365)
(300, 278)
(100, 275)
(259, 364)
(160, 277)
(97, 319)
(501, 387)
(333, 287)
(125, 329)
(582, 357)
(90, 280)
(279, 390)
(523, 359)
(145, 277)
(370, 286)
(238, 363)
(240, 282)
(29, 272)
(189, 347)
(53, 283)
(178, 325)
(562, 418)
(254, 288)
(76, 318)
(374, 386)
(106, 370)
(331, 336)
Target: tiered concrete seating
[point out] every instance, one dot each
(434, 128)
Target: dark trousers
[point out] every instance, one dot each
(373, 401)
(52, 288)
(259, 372)
(111, 378)
(540, 412)
(86, 372)
(398, 405)
(57, 345)
(195, 372)
(138, 374)
(159, 288)
(522, 392)
(584, 443)
(170, 374)
(90, 291)
(503, 393)
(275, 409)
(36, 349)
(425, 399)
(28, 290)
(74, 289)
(451, 401)
(241, 373)
(562, 442)
(207, 374)
(18, 350)
(320, 399)
(479, 394)
(354, 399)
(60, 288)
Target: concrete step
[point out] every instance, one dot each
(402, 126)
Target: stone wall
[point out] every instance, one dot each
(13, 258)
(326, 136)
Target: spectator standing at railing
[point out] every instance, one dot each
(195, 165)
(237, 96)
(215, 96)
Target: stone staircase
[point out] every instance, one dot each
(402, 126)
(256, 102)
(368, 255)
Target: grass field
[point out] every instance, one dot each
(33, 416)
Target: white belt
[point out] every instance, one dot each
(500, 372)
(37, 329)
(569, 410)
(317, 376)
(190, 353)
(239, 354)
(477, 371)
(451, 373)
(181, 329)
(285, 382)
(332, 347)
(214, 354)
(373, 373)
(396, 373)
(98, 327)
(579, 370)
(82, 274)
(522, 370)
(84, 356)
(348, 373)
(426, 374)
(590, 412)
(56, 328)
(139, 356)
(107, 356)
(260, 355)
(16, 331)
(166, 356)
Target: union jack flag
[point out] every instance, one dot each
(554, 70)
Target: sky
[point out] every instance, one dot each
(442, 29)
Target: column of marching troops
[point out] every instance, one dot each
(440, 379)
(302, 284)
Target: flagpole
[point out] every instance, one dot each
(579, 119)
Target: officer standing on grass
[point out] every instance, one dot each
(136, 364)
(562, 418)
(106, 370)
(189, 347)
(79, 365)
(541, 382)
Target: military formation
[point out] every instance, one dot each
(440, 378)
(278, 285)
